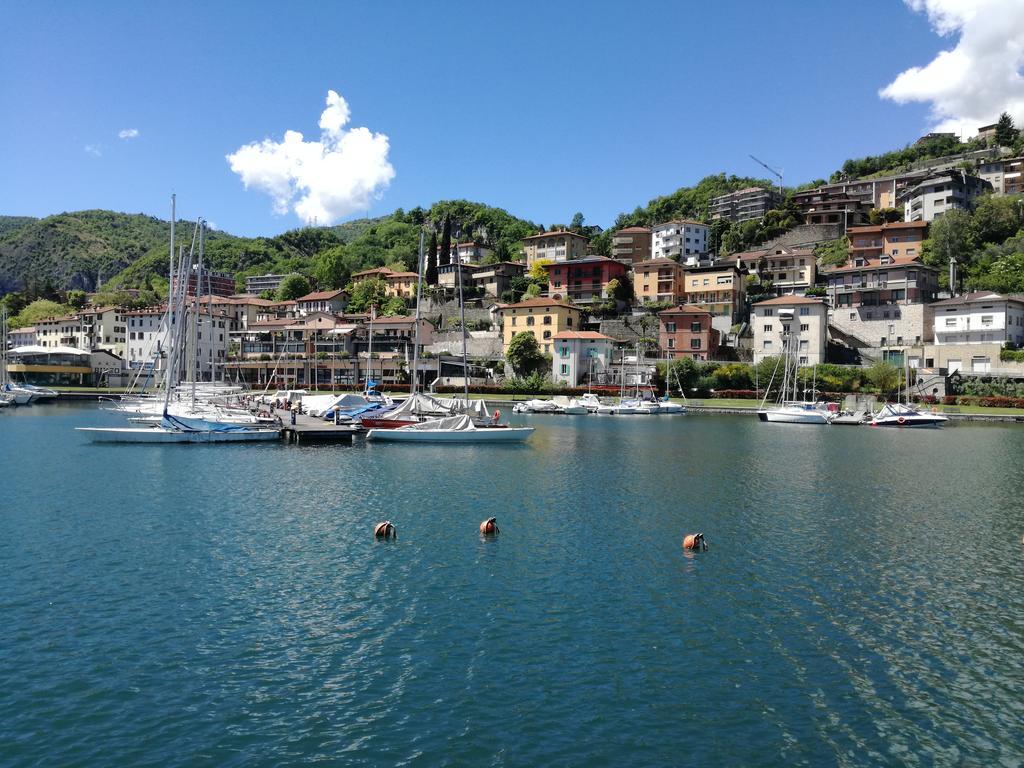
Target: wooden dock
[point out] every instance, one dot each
(308, 429)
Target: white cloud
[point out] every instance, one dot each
(93, 149)
(128, 133)
(971, 84)
(322, 181)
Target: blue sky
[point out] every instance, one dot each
(541, 108)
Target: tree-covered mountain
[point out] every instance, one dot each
(84, 249)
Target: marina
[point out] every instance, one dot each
(232, 604)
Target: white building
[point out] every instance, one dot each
(934, 196)
(683, 241)
(148, 340)
(322, 301)
(790, 323)
(469, 253)
(979, 318)
(580, 356)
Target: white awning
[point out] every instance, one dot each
(36, 350)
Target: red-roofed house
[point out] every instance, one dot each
(584, 280)
(580, 356)
(544, 318)
(323, 301)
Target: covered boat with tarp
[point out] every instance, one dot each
(451, 429)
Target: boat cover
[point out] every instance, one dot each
(201, 425)
(462, 423)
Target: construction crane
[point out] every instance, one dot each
(770, 170)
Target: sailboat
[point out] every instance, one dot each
(903, 414)
(12, 393)
(176, 428)
(790, 411)
(459, 428)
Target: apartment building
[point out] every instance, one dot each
(469, 253)
(554, 246)
(794, 324)
(217, 283)
(149, 339)
(257, 284)
(632, 244)
(937, 194)
(401, 284)
(544, 318)
(1004, 174)
(744, 204)
(687, 332)
(495, 279)
(684, 240)
(845, 204)
(982, 317)
(584, 280)
(720, 289)
(659, 280)
(322, 301)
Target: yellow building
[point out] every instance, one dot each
(554, 246)
(659, 280)
(719, 289)
(401, 284)
(542, 317)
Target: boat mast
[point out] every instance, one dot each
(462, 316)
(414, 387)
(369, 353)
(195, 359)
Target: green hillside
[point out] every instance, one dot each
(10, 224)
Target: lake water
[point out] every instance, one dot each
(862, 602)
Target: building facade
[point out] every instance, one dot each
(687, 332)
(469, 253)
(685, 241)
(580, 357)
(659, 280)
(744, 204)
(322, 301)
(981, 317)
(943, 192)
(790, 324)
(584, 280)
(554, 246)
(719, 289)
(257, 284)
(632, 244)
(495, 279)
(400, 284)
(544, 318)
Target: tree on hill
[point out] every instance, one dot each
(577, 224)
(886, 377)
(334, 267)
(292, 287)
(995, 219)
(524, 354)
(431, 272)
(1006, 132)
(878, 216)
(834, 253)
(38, 310)
(444, 256)
(950, 237)
(367, 293)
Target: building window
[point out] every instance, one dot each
(565, 351)
(565, 369)
(568, 322)
(803, 360)
(547, 335)
(769, 312)
(768, 329)
(547, 319)
(805, 311)
(694, 343)
(951, 322)
(529, 320)
(805, 327)
(670, 327)
(513, 319)
(671, 343)
(986, 319)
(767, 344)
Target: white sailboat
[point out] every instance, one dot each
(12, 393)
(454, 429)
(793, 410)
(177, 428)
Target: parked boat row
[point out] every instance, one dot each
(591, 403)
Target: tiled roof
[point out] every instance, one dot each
(684, 310)
(585, 335)
(784, 300)
(661, 261)
(321, 295)
(875, 263)
(975, 297)
(634, 230)
(539, 301)
(560, 232)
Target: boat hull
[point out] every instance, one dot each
(156, 435)
(910, 422)
(792, 417)
(503, 435)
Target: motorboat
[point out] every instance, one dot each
(903, 415)
(795, 412)
(591, 402)
(667, 406)
(536, 406)
(452, 429)
(6, 399)
(42, 394)
(570, 405)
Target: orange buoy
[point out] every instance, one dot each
(695, 542)
(489, 526)
(385, 530)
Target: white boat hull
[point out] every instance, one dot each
(783, 416)
(160, 435)
(498, 435)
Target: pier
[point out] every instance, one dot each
(308, 429)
